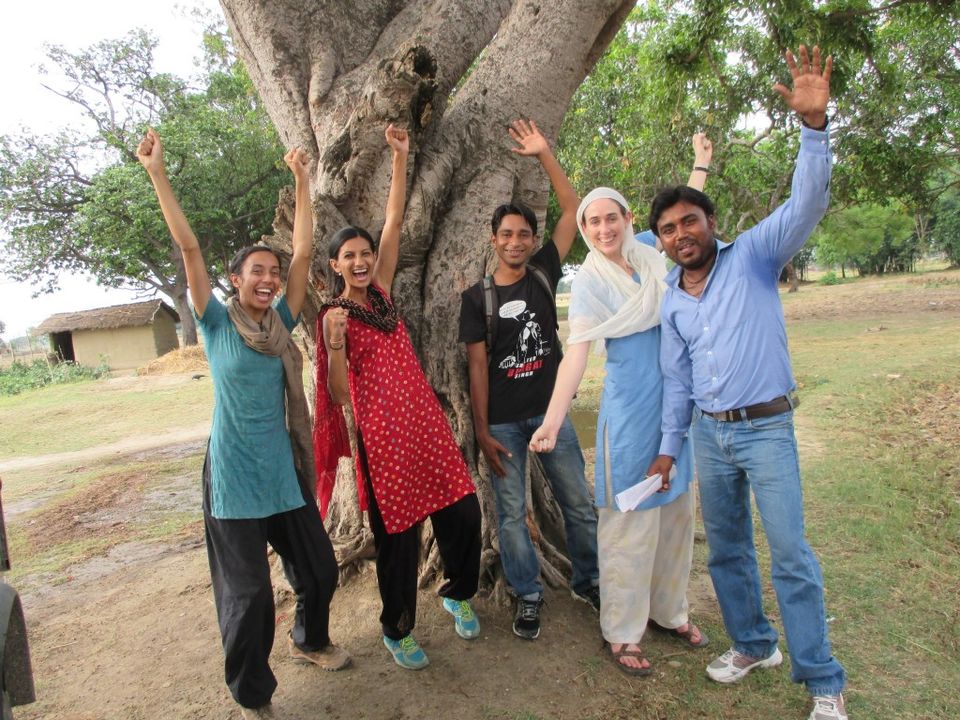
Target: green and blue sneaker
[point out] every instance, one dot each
(468, 625)
(407, 653)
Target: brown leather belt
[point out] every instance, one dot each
(761, 410)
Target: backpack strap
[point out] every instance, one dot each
(544, 281)
(490, 310)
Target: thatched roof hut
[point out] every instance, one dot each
(126, 336)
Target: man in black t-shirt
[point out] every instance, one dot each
(511, 384)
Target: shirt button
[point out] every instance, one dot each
(706, 328)
(709, 352)
(714, 378)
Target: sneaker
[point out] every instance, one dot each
(330, 658)
(467, 624)
(407, 653)
(264, 712)
(828, 707)
(526, 622)
(590, 596)
(733, 666)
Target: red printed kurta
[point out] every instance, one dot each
(416, 466)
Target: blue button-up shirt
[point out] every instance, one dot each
(727, 349)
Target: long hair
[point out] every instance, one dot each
(236, 262)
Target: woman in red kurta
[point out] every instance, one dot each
(409, 466)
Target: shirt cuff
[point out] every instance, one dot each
(817, 141)
(671, 444)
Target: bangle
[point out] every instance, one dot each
(701, 168)
(336, 347)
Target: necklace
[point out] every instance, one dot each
(694, 287)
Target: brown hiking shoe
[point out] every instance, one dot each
(330, 658)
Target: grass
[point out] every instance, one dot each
(72, 417)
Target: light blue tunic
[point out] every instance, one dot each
(251, 460)
(630, 412)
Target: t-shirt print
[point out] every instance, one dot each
(530, 347)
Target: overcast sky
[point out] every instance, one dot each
(25, 28)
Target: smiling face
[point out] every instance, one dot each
(258, 282)
(605, 226)
(355, 263)
(687, 235)
(514, 241)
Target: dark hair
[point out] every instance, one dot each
(670, 196)
(236, 262)
(336, 242)
(513, 209)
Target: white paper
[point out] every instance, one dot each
(636, 494)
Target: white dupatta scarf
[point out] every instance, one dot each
(606, 302)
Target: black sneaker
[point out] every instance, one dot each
(526, 623)
(590, 596)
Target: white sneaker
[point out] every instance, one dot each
(828, 707)
(733, 666)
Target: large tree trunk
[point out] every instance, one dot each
(332, 75)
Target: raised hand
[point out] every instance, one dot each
(528, 136)
(150, 152)
(811, 86)
(398, 139)
(702, 150)
(299, 163)
(335, 328)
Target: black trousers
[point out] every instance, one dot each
(240, 574)
(457, 532)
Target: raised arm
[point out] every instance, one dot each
(532, 142)
(780, 235)
(298, 161)
(150, 154)
(389, 249)
(569, 375)
(702, 155)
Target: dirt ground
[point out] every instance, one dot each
(132, 634)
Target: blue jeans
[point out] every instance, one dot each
(564, 469)
(732, 458)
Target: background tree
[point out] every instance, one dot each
(676, 68)
(80, 201)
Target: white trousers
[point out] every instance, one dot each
(645, 558)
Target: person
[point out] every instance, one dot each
(409, 466)
(645, 553)
(510, 386)
(725, 362)
(258, 474)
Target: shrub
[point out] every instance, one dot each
(829, 278)
(22, 376)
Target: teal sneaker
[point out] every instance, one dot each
(407, 653)
(468, 625)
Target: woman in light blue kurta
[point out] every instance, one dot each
(645, 552)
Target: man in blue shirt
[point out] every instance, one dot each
(726, 366)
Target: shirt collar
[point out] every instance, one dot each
(673, 277)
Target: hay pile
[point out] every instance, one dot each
(182, 360)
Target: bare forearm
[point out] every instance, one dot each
(173, 215)
(337, 381)
(566, 195)
(479, 396)
(569, 375)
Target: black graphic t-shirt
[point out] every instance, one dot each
(526, 349)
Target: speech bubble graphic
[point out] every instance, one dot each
(512, 309)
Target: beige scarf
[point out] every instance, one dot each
(606, 302)
(271, 337)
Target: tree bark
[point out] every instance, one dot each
(332, 75)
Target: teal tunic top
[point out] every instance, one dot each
(251, 460)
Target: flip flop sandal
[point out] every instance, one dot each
(626, 669)
(686, 635)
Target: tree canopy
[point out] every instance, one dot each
(79, 200)
(675, 68)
